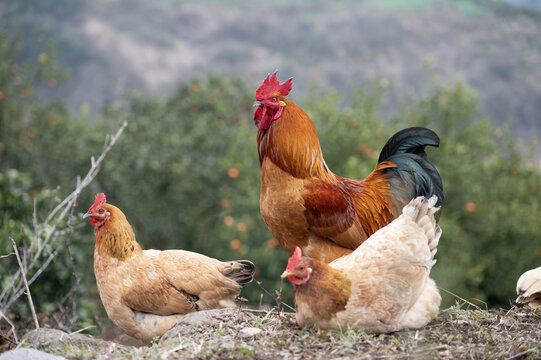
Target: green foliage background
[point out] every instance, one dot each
(189, 161)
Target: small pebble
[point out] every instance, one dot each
(250, 331)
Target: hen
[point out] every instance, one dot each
(304, 204)
(529, 288)
(383, 286)
(146, 291)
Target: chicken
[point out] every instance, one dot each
(146, 291)
(304, 204)
(529, 288)
(382, 286)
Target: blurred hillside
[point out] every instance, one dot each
(117, 46)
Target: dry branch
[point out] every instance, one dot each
(73, 269)
(2, 315)
(23, 275)
(48, 233)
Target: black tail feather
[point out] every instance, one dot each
(406, 149)
(241, 271)
(412, 140)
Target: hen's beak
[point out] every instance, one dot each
(257, 103)
(88, 214)
(286, 274)
(520, 298)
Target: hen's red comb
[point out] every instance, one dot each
(271, 84)
(100, 199)
(293, 259)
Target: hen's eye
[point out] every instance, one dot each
(101, 211)
(273, 99)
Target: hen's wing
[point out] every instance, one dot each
(397, 258)
(178, 282)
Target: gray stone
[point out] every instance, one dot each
(192, 323)
(28, 354)
(61, 342)
(249, 332)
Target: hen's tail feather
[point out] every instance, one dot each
(240, 271)
(422, 210)
(414, 174)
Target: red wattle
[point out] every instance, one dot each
(298, 281)
(97, 223)
(263, 117)
(278, 114)
(257, 115)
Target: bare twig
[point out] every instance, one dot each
(19, 290)
(92, 172)
(47, 231)
(277, 298)
(7, 255)
(7, 339)
(279, 295)
(83, 329)
(68, 247)
(266, 292)
(25, 284)
(520, 354)
(12, 326)
(35, 217)
(458, 297)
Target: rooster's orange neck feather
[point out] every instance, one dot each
(115, 237)
(292, 144)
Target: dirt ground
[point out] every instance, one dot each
(264, 334)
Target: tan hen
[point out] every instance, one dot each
(146, 291)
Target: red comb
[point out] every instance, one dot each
(271, 84)
(293, 259)
(100, 199)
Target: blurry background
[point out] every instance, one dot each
(186, 172)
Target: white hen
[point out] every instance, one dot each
(529, 288)
(383, 286)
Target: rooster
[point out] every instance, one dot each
(529, 288)
(304, 204)
(382, 286)
(145, 292)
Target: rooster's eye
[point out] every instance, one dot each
(273, 99)
(101, 211)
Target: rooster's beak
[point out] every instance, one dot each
(88, 214)
(286, 274)
(257, 103)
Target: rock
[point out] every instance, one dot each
(27, 354)
(45, 337)
(61, 342)
(198, 318)
(193, 323)
(249, 332)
